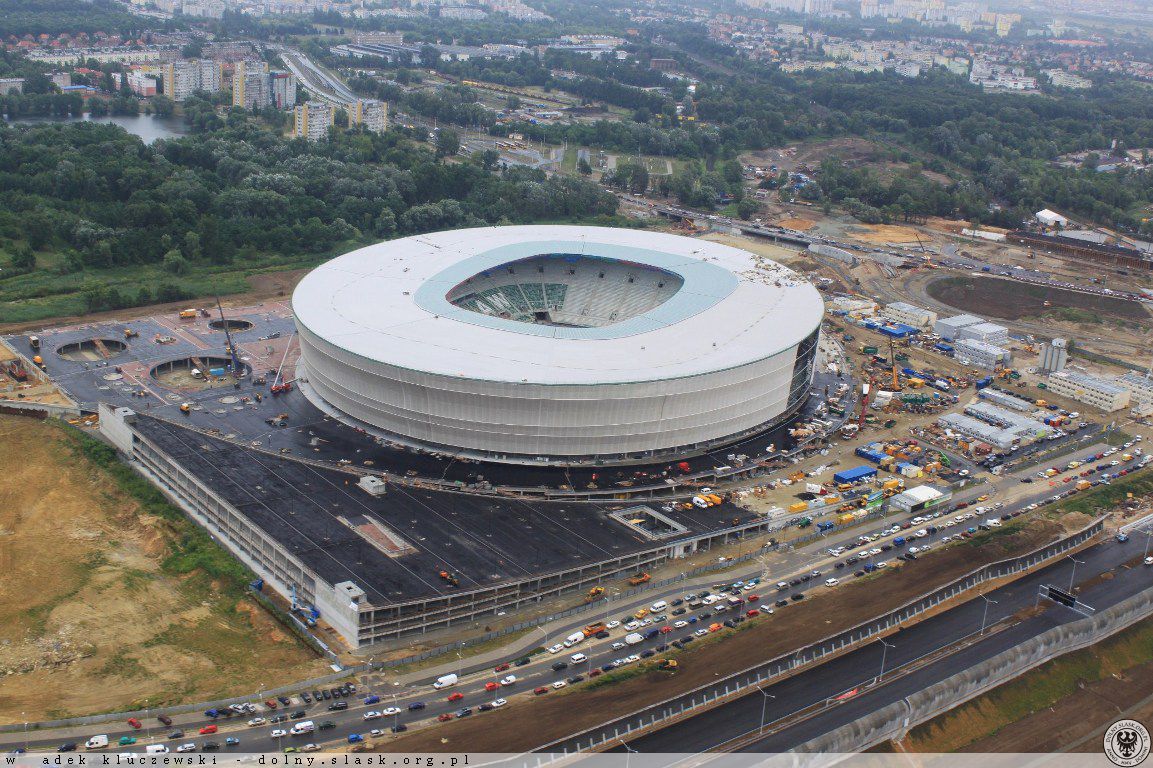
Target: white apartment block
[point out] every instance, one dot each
(909, 314)
(312, 120)
(1105, 394)
(980, 354)
(371, 114)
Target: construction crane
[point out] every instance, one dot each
(896, 384)
(237, 368)
(278, 386)
(864, 403)
(924, 253)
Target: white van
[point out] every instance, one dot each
(573, 639)
(156, 749)
(578, 658)
(96, 742)
(445, 681)
(304, 726)
(658, 606)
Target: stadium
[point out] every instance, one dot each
(559, 345)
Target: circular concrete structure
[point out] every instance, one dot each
(557, 344)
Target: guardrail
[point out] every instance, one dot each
(746, 681)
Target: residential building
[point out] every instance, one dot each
(11, 85)
(990, 333)
(251, 88)
(61, 79)
(312, 120)
(909, 314)
(1054, 356)
(1105, 394)
(663, 65)
(371, 114)
(981, 354)
(142, 83)
(1062, 79)
(282, 89)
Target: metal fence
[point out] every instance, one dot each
(741, 683)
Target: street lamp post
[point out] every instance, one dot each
(1073, 575)
(884, 650)
(764, 706)
(985, 613)
(1148, 536)
(630, 750)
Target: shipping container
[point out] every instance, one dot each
(854, 475)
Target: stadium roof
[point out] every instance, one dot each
(386, 303)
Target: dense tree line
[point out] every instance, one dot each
(52, 17)
(104, 199)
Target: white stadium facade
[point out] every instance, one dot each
(558, 345)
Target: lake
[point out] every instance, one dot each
(147, 127)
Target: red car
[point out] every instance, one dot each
(270, 703)
(595, 673)
(754, 598)
(208, 729)
(666, 629)
(539, 690)
(503, 667)
(753, 612)
(164, 719)
(134, 722)
(491, 686)
(455, 696)
(444, 717)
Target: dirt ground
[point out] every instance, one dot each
(881, 234)
(1013, 300)
(799, 224)
(790, 257)
(1074, 723)
(89, 618)
(524, 725)
(35, 389)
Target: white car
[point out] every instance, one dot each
(632, 657)
(499, 702)
(278, 733)
(508, 680)
(612, 625)
(632, 625)
(882, 563)
(832, 582)
(372, 714)
(556, 648)
(310, 747)
(374, 732)
(559, 684)
(921, 533)
(914, 550)
(1149, 560)
(680, 624)
(766, 608)
(618, 646)
(701, 632)
(257, 721)
(190, 747)
(390, 711)
(875, 551)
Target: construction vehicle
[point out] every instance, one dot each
(186, 408)
(594, 628)
(16, 371)
(187, 314)
(279, 420)
(162, 339)
(130, 334)
(640, 578)
(668, 665)
(593, 594)
(34, 342)
(39, 362)
(450, 578)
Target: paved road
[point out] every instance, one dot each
(417, 687)
(714, 728)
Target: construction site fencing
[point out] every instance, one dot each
(894, 721)
(741, 683)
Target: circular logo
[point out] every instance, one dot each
(1127, 743)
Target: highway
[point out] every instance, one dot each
(315, 80)
(736, 726)
(786, 566)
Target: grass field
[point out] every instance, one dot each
(111, 599)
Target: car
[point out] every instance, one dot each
(164, 719)
(398, 728)
(503, 667)
(701, 632)
(270, 703)
(284, 700)
(135, 723)
(278, 719)
(497, 703)
(355, 738)
(390, 711)
(782, 602)
(456, 696)
(208, 729)
(69, 746)
(766, 608)
(290, 750)
(305, 697)
(556, 648)
(580, 678)
(416, 705)
(186, 748)
(632, 625)
(1149, 560)
(522, 661)
(618, 646)
(508, 680)
(373, 714)
(832, 582)
(337, 706)
(1122, 538)
(176, 735)
(680, 611)
(799, 596)
(232, 741)
(297, 715)
(325, 725)
(278, 733)
(680, 624)
(604, 633)
(257, 721)
(210, 746)
(310, 747)
(557, 666)
(559, 684)
(126, 741)
(612, 625)
(463, 712)
(540, 689)
(327, 694)
(444, 717)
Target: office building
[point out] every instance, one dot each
(312, 120)
(1098, 392)
(980, 354)
(1054, 356)
(947, 327)
(990, 333)
(909, 314)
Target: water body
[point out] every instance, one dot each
(147, 127)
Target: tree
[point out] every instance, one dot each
(24, 259)
(447, 142)
(583, 167)
(747, 207)
(175, 263)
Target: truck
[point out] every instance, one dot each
(640, 578)
(444, 681)
(634, 638)
(573, 639)
(96, 742)
(825, 525)
(593, 629)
